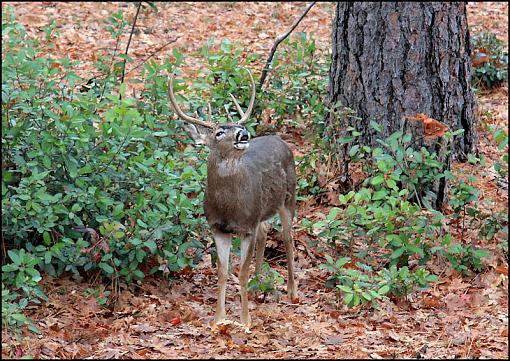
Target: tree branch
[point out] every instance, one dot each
(153, 53)
(129, 41)
(277, 42)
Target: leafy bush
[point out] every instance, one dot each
(501, 138)
(464, 258)
(490, 61)
(266, 281)
(387, 225)
(298, 81)
(20, 287)
(363, 285)
(225, 74)
(90, 181)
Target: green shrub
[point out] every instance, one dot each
(20, 287)
(501, 138)
(75, 160)
(490, 60)
(297, 82)
(387, 225)
(266, 281)
(294, 93)
(363, 285)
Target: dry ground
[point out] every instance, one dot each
(458, 317)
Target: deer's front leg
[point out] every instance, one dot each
(247, 243)
(223, 243)
(261, 236)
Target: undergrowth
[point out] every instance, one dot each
(97, 181)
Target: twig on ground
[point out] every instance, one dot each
(277, 42)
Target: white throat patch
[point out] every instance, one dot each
(241, 145)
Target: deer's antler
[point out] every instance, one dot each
(209, 124)
(178, 110)
(245, 116)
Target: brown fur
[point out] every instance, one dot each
(247, 183)
(244, 189)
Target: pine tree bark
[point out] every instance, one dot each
(391, 60)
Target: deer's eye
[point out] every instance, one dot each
(219, 133)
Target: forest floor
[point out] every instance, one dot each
(457, 317)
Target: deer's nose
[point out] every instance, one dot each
(244, 135)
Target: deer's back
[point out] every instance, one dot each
(244, 191)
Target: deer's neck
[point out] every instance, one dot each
(225, 166)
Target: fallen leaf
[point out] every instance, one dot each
(333, 340)
(432, 128)
(502, 269)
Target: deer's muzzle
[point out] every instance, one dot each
(242, 139)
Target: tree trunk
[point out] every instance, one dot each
(395, 60)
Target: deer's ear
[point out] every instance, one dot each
(199, 139)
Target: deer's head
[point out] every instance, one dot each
(225, 138)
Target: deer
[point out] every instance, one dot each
(249, 180)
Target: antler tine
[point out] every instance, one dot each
(178, 110)
(209, 112)
(245, 116)
(237, 105)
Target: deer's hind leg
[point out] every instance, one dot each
(247, 244)
(286, 216)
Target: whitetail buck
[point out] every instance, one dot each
(248, 181)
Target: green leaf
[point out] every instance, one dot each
(348, 298)
(138, 274)
(377, 180)
(342, 261)
(34, 273)
(472, 159)
(86, 169)
(24, 197)
(333, 213)
(354, 149)
(366, 296)
(151, 245)
(380, 194)
(32, 327)
(406, 138)
(345, 289)
(106, 267)
(9, 268)
(398, 252)
(46, 238)
(122, 90)
(40, 176)
(376, 126)
(19, 317)
(384, 290)
(14, 256)
(47, 257)
(141, 223)
(391, 183)
(432, 278)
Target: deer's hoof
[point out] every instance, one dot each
(246, 321)
(293, 296)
